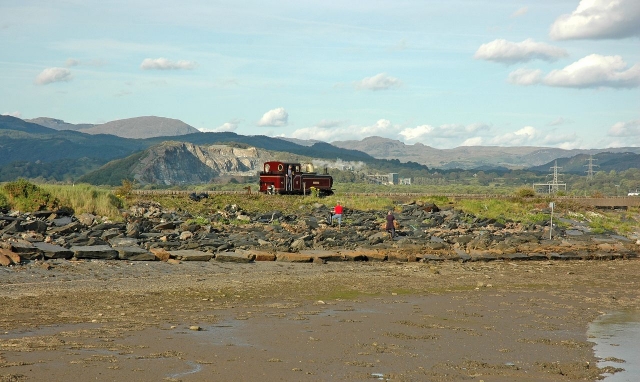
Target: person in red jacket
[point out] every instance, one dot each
(337, 214)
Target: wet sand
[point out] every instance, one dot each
(499, 321)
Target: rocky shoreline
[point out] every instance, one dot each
(426, 232)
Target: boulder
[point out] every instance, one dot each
(34, 225)
(293, 257)
(135, 254)
(5, 261)
(86, 219)
(66, 229)
(123, 242)
(322, 254)
(160, 254)
(102, 252)
(191, 255)
(358, 255)
(9, 257)
(238, 256)
(26, 250)
(263, 255)
(51, 251)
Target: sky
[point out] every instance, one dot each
(552, 73)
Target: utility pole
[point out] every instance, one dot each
(590, 167)
(553, 186)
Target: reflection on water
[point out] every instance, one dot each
(617, 338)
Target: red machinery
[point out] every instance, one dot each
(276, 179)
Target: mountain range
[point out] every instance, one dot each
(38, 147)
(138, 127)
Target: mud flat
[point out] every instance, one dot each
(109, 320)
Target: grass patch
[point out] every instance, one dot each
(90, 199)
(28, 197)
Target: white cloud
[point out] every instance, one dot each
(596, 71)
(16, 114)
(325, 123)
(415, 133)
(508, 52)
(522, 137)
(382, 127)
(558, 121)
(51, 75)
(380, 81)
(520, 12)
(625, 129)
(525, 77)
(599, 19)
(563, 141)
(477, 127)
(427, 132)
(74, 62)
(164, 64)
(475, 141)
(71, 62)
(275, 117)
(226, 127)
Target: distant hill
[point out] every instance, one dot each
(58, 124)
(138, 127)
(466, 157)
(143, 127)
(24, 141)
(604, 161)
(301, 142)
(178, 163)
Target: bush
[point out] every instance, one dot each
(124, 191)
(4, 203)
(26, 196)
(525, 192)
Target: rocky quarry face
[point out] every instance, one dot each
(185, 163)
(425, 233)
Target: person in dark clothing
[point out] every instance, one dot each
(391, 228)
(289, 185)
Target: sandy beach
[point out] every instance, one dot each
(395, 321)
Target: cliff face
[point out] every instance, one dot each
(172, 163)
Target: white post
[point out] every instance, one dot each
(552, 204)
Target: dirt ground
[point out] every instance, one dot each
(210, 321)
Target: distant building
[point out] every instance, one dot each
(405, 181)
(394, 178)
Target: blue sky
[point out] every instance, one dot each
(553, 73)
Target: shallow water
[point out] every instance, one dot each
(617, 337)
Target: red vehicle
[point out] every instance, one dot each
(292, 178)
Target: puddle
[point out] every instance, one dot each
(617, 338)
(228, 332)
(195, 368)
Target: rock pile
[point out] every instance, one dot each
(426, 233)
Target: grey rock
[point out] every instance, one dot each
(135, 254)
(103, 252)
(60, 222)
(35, 225)
(191, 255)
(51, 251)
(73, 226)
(86, 219)
(237, 256)
(123, 242)
(26, 250)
